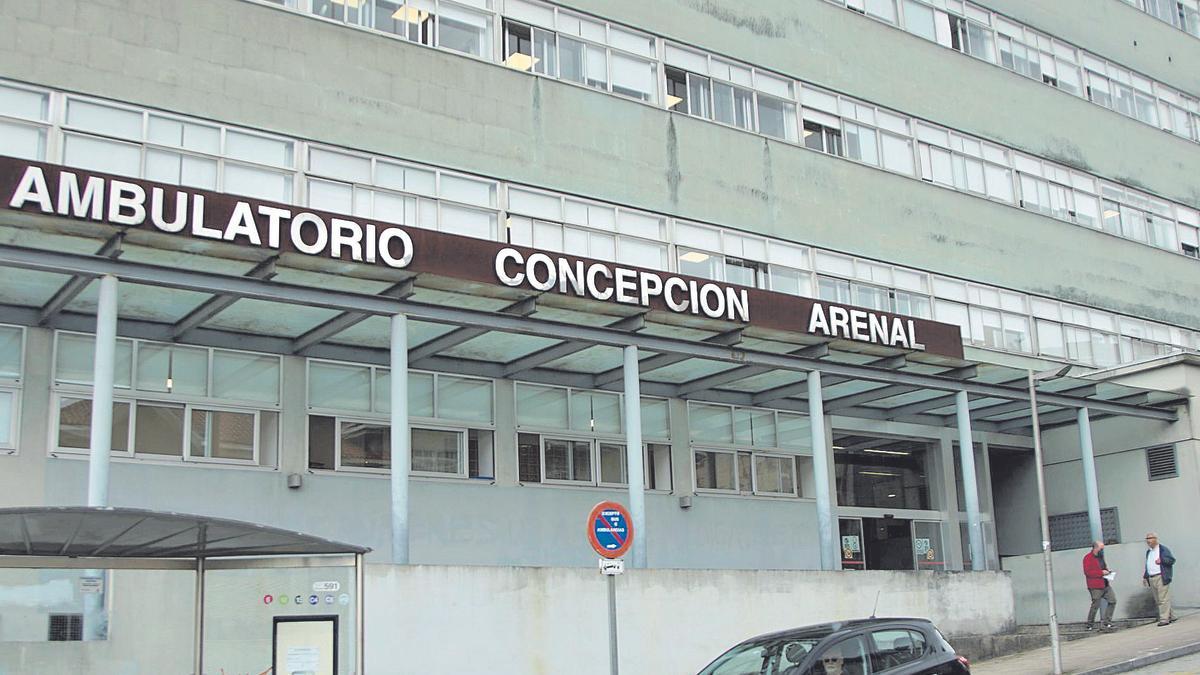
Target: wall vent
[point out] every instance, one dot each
(1161, 464)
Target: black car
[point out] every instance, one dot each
(861, 647)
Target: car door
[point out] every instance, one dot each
(901, 650)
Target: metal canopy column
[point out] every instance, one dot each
(103, 370)
(1089, 475)
(820, 450)
(401, 455)
(966, 449)
(634, 456)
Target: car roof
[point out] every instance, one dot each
(823, 630)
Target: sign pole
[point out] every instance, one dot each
(610, 531)
(612, 624)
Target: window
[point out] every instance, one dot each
(112, 138)
(451, 418)
(895, 647)
(549, 459)
(12, 340)
(777, 117)
(762, 458)
(822, 138)
(173, 402)
(847, 656)
(340, 443)
(575, 436)
(23, 113)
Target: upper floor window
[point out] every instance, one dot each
(742, 96)
(464, 26)
(23, 116)
(553, 42)
(117, 139)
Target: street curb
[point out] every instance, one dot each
(1143, 661)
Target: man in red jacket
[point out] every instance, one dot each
(1094, 571)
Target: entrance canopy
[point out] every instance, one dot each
(235, 273)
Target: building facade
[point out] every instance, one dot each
(1021, 174)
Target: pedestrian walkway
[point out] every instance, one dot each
(1106, 653)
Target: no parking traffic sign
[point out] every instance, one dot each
(610, 530)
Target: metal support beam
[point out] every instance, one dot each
(816, 351)
(880, 393)
(1091, 488)
(70, 290)
(458, 336)
(1056, 418)
(934, 403)
(554, 352)
(1014, 406)
(634, 457)
(401, 439)
(103, 369)
(966, 451)
(345, 320)
(825, 525)
(790, 390)
(728, 338)
(218, 303)
(193, 280)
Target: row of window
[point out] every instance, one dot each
(753, 99)
(986, 35)
(411, 194)
(1182, 14)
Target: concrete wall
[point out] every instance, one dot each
(542, 621)
(254, 65)
(502, 620)
(1134, 600)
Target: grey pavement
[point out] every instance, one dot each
(1118, 652)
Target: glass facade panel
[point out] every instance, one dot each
(882, 473)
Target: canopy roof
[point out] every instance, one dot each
(91, 532)
(218, 294)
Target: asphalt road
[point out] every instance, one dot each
(1184, 665)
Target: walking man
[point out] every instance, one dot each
(1159, 566)
(1095, 572)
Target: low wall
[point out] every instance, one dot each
(534, 621)
(1070, 592)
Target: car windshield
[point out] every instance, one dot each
(774, 655)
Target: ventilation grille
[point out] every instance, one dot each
(1071, 530)
(1160, 463)
(65, 628)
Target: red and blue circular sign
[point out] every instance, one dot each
(610, 529)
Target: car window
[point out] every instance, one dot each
(894, 647)
(847, 657)
(771, 656)
(741, 660)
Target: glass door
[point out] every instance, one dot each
(927, 545)
(852, 543)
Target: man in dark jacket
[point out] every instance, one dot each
(1160, 565)
(1094, 570)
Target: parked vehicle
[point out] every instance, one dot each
(860, 647)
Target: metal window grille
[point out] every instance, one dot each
(1161, 464)
(65, 628)
(1071, 530)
